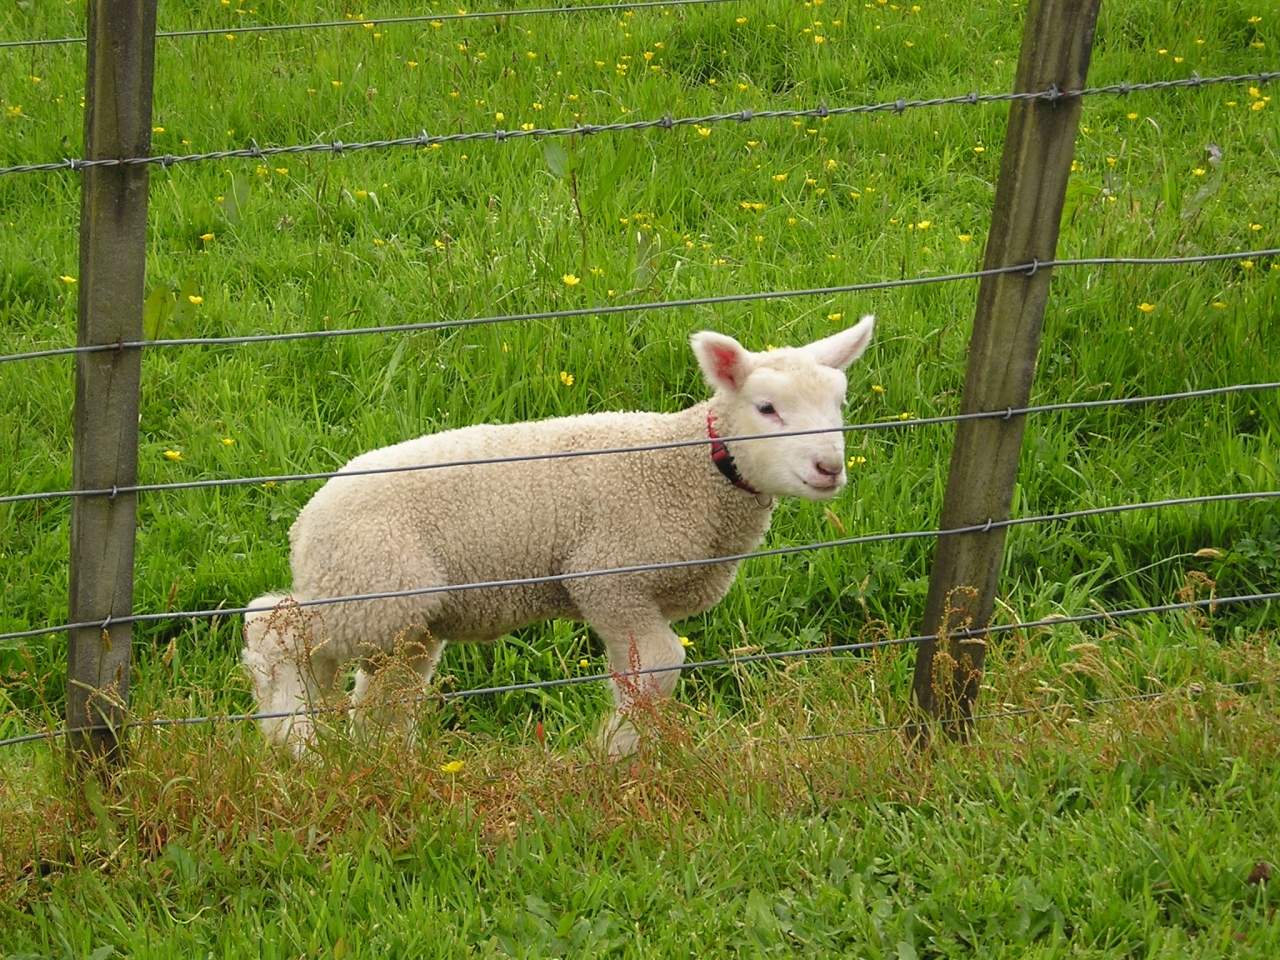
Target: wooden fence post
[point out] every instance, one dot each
(1057, 41)
(120, 65)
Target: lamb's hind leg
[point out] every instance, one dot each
(639, 640)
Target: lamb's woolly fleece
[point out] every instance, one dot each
(404, 531)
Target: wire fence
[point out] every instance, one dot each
(1030, 269)
(820, 112)
(732, 661)
(363, 21)
(891, 424)
(987, 527)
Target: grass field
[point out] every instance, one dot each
(1126, 830)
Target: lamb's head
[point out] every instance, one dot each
(782, 391)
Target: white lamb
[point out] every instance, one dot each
(403, 531)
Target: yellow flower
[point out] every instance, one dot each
(531, 55)
(1258, 105)
(905, 416)
(1247, 264)
(453, 766)
(412, 63)
(436, 24)
(820, 39)
(1255, 226)
(196, 301)
(780, 177)
(66, 279)
(704, 131)
(206, 237)
(686, 642)
(1219, 304)
(336, 83)
(570, 280)
(269, 485)
(362, 194)
(1146, 307)
(857, 461)
(877, 388)
(499, 116)
(157, 129)
(174, 455)
(965, 237)
(584, 662)
(282, 170)
(1132, 116)
(832, 164)
(924, 224)
(979, 149)
(227, 441)
(1198, 172)
(526, 126)
(566, 378)
(739, 20)
(378, 242)
(597, 271)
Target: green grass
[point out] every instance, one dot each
(477, 229)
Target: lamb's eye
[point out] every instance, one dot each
(767, 409)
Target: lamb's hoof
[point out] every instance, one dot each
(620, 737)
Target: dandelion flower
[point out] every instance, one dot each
(570, 280)
(174, 455)
(566, 378)
(453, 766)
(1146, 307)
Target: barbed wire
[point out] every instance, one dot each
(987, 527)
(608, 309)
(863, 646)
(1190, 689)
(382, 21)
(892, 424)
(821, 112)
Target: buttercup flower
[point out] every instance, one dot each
(570, 280)
(453, 766)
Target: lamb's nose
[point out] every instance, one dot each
(826, 469)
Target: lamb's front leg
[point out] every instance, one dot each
(638, 639)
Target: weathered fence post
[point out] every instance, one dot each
(1057, 41)
(120, 64)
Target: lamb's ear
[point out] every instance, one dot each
(725, 362)
(841, 349)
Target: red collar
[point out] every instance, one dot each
(721, 457)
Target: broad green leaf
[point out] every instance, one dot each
(557, 158)
(157, 310)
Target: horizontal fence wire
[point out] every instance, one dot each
(383, 21)
(446, 696)
(821, 112)
(1190, 690)
(986, 527)
(896, 423)
(609, 309)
